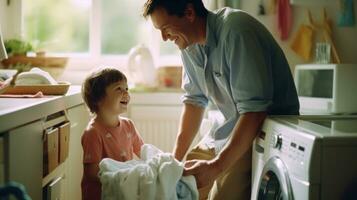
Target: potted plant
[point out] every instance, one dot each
(17, 51)
(16, 47)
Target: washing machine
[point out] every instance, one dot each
(305, 158)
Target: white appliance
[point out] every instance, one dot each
(141, 66)
(327, 88)
(306, 158)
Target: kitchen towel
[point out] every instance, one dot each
(284, 17)
(157, 176)
(303, 41)
(37, 95)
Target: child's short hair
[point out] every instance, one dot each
(95, 84)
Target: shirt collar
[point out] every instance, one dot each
(211, 40)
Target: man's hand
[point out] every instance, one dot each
(204, 171)
(189, 124)
(243, 135)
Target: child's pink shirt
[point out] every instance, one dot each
(98, 142)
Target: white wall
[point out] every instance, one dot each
(10, 18)
(345, 38)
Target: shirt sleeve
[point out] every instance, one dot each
(250, 72)
(136, 139)
(193, 93)
(92, 146)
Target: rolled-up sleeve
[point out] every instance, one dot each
(250, 72)
(190, 84)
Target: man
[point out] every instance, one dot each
(232, 61)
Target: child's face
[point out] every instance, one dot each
(116, 100)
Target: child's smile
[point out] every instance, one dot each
(124, 102)
(117, 98)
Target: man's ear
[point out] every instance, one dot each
(190, 13)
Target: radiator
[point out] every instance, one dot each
(161, 133)
(157, 125)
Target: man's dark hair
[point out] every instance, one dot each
(174, 7)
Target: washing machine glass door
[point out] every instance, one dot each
(274, 183)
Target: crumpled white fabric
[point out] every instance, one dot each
(158, 176)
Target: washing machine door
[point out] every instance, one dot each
(274, 182)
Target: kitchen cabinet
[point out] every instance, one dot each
(23, 125)
(23, 152)
(79, 118)
(65, 180)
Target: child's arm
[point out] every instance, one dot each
(137, 140)
(91, 171)
(92, 154)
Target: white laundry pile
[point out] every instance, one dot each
(158, 176)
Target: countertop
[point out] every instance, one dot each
(15, 112)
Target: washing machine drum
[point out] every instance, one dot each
(274, 183)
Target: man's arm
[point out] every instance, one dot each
(189, 125)
(243, 135)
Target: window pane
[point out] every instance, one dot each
(123, 26)
(58, 26)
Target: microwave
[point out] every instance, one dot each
(326, 88)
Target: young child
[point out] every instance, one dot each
(105, 91)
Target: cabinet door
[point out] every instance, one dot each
(79, 118)
(24, 155)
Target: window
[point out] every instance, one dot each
(122, 26)
(99, 28)
(58, 26)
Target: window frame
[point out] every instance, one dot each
(94, 57)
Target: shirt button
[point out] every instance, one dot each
(217, 74)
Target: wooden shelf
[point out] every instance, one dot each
(38, 61)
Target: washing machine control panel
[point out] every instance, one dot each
(289, 147)
(277, 141)
(293, 146)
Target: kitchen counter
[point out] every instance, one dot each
(19, 111)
